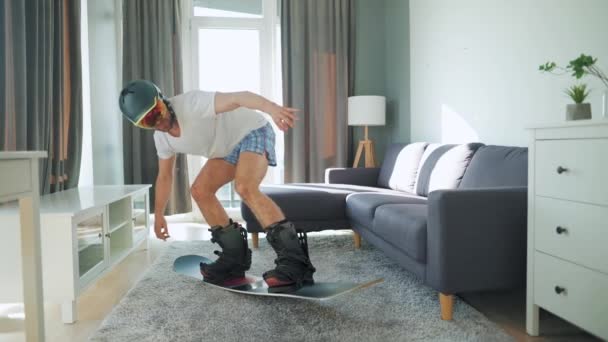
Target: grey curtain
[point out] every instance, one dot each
(41, 87)
(152, 51)
(317, 60)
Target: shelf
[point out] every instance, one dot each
(83, 246)
(89, 257)
(140, 221)
(118, 254)
(121, 239)
(119, 212)
(139, 218)
(119, 226)
(140, 234)
(138, 212)
(75, 250)
(88, 235)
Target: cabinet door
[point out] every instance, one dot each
(90, 244)
(140, 216)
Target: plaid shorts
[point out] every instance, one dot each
(260, 141)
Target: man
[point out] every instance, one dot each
(239, 144)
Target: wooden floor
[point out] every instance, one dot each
(506, 309)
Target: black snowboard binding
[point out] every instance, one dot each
(293, 266)
(235, 257)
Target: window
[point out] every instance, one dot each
(235, 47)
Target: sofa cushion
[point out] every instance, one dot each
(388, 164)
(361, 207)
(406, 167)
(404, 227)
(497, 166)
(430, 149)
(321, 204)
(442, 167)
(350, 188)
(311, 201)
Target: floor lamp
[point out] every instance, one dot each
(366, 111)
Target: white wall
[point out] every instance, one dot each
(104, 70)
(474, 65)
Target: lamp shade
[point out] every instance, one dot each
(367, 110)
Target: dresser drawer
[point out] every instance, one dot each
(573, 231)
(14, 177)
(573, 292)
(574, 169)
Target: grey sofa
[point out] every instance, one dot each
(454, 215)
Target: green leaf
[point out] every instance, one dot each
(578, 93)
(548, 66)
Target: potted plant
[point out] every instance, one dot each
(578, 110)
(579, 67)
(583, 65)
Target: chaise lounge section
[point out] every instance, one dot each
(454, 215)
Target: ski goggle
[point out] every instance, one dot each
(152, 117)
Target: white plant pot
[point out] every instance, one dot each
(578, 111)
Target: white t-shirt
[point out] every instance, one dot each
(202, 131)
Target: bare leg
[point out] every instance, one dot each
(250, 170)
(213, 176)
(235, 258)
(293, 267)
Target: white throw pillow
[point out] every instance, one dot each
(444, 167)
(406, 167)
(450, 168)
(427, 152)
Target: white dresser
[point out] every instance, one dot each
(84, 233)
(568, 225)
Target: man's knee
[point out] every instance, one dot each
(200, 192)
(245, 189)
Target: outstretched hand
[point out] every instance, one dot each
(284, 117)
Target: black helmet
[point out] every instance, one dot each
(137, 98)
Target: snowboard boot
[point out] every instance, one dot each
(293, 266)
(235, 257)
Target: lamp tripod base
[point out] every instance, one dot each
(370, 159)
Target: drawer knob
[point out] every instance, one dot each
(561, 169)
(560, 290)
(561, 230)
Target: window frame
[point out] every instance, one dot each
(266, 27)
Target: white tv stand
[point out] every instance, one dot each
(19, 181)
(84, 233)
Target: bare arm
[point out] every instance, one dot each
(162, 190)
(284, 117)
(164, 182)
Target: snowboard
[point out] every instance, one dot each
(189, 265)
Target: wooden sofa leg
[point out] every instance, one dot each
(255, 239)
(357, 239)
(447, 306)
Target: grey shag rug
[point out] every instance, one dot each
(165, 306)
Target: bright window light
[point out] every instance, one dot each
(229, 59)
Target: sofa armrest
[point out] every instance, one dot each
(476, 239)
(354, 176)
